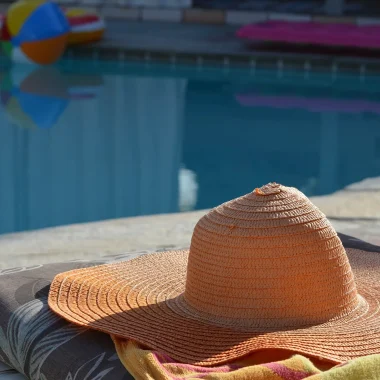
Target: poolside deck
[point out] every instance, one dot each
(217, 44)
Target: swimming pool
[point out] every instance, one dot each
(87, 141)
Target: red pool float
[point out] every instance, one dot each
(86, 27)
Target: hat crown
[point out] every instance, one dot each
(270, 258)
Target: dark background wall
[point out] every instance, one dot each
(314, 7)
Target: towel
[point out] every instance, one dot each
(364, 368)
(145, 364)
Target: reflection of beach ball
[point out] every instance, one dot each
(35, 31)
(34, 98)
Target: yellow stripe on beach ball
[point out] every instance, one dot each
(19, 12)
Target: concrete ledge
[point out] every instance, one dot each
(92, 240)
(354, 213)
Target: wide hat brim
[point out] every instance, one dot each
(143, 300)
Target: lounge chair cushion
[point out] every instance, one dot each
(41, 345)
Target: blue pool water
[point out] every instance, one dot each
(90, 141)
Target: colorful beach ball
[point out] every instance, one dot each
(35, 31)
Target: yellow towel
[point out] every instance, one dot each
(145, 364)
(365, 368)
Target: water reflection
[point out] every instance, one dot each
(188, 190)
(319, 137)
(84, 142)
(36, 97)
(115, 153)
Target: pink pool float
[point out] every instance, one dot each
(313, 33)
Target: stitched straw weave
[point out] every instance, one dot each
(266, 270)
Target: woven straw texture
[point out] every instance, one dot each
(266, 270)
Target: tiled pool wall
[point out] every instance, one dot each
(303, 65)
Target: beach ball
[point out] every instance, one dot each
(34, 97)
(35, 31)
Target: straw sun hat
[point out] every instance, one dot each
(266, 270)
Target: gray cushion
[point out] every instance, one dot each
(39, 344)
